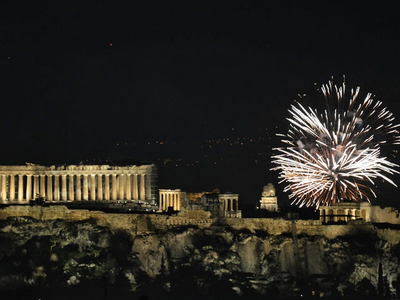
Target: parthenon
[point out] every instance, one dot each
(19, 184)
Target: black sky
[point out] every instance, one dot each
(176, 71)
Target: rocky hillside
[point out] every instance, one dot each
(58, 259)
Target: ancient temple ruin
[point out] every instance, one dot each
(72, 183)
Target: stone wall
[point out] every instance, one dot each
(384, 215)
(147, 223)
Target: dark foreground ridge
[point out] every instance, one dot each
(60, 259)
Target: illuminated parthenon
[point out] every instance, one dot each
(19, 184)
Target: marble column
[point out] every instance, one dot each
(92, 187)
(50, 187)
(160, 202)
(28, 187)
(122, 186)
(20, 187)
(78, 188)
(71, 192)
(135, 187)
(35, 186)
(57, 187)
(237, 205)
(231, 205)
(12, 187)
(179, 201)
(322, 215)
(85, 187)
(106, 187)
(175, 201)
(128, 187)
(64, 187)
(114, 186)
(142, 190)
(4, 187)
(43, 186)
(99, 187)
(148, 187)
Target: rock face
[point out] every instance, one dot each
(187, 261)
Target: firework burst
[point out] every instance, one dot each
(335, 155)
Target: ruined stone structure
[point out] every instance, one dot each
(19, 184)
(347, 211)
(197, 197)
(229, 205)
(170, 198)
(269, 201)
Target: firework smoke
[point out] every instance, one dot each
(335, 156)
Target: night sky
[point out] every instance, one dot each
(77, 82)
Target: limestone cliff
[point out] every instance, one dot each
(76, 257)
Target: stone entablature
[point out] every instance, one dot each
(19, 184)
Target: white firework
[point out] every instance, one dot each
(335, 156)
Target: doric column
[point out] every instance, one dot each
(335, 218)
(128, 187)
(35, 186)
(160, 202)
(57, 187)
(122, 186)
(4, 187)
(50, 187)
(85, 187)
(43, 186)
(99, 187)
(107, 187)
(148, 187)
(114, 186)
(237, 206)
(71, 192)
(12, 187)
(20, 187)
(135, 187)
(78, 188)
(142, 195)
(321, 215)
(64, 187)
(28, 187)
(179, 200)
(92, 187)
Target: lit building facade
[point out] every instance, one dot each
(170, 198)
(269, 201)
(72, 183)
(349, 211)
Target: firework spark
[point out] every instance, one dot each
(335, 156)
